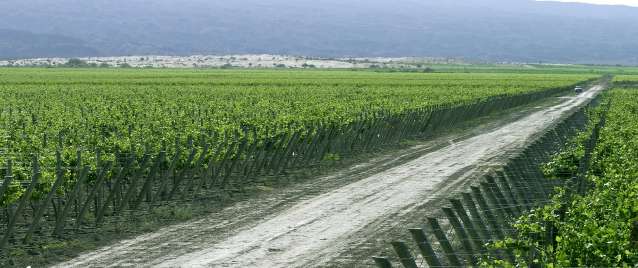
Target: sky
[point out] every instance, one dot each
(605, 2)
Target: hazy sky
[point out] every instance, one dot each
(605, 2)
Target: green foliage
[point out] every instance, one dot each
(332, 157)
(565, 163)
(76, 63)
(626, 81)
(598, 228)
(121, 112)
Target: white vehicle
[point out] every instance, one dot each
(578, 89)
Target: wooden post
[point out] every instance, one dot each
(162, 179)
(40, 211)
(500, 197)
(278, 153)
(197, 165)
(476, 217)
(460, 231)
(180, 177)
(168, 175)
(111, 195)
(23, 202)
(487, 211)
(519, 206)
(89, 198)
(286, 154)
(501, 216)
(404, 254)
(61, 220)
(468, 224)
(8, 178)
(382, 262)
(236, 158)
(132, 187)
(146, 186)
(520, 190)
(444, 242)
(426, 248)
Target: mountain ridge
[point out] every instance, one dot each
(485, 30)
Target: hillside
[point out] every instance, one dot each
(490, 30)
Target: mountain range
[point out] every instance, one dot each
(479, 30)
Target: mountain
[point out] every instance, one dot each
(487, 30)
(22, 44)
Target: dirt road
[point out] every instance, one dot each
(309, 232)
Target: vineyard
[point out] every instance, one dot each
(569, 200)
(84, 151)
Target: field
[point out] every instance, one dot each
(587, 214)
(593, 220)
(600, 225)
(82, 149)
(137, 112)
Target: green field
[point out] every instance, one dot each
(570, 199)
(536, 68)
(136, 110)
(80, 149)
(593, 222)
